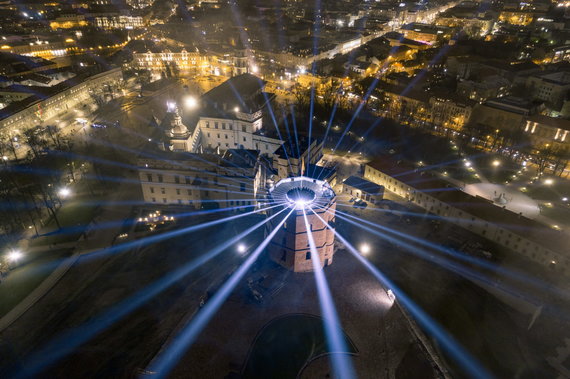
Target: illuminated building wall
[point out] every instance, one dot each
(59, 103)
(449, 113)
(521, 18)
(186, 62)
(42, 49)
(140, 4)
(119, 22)
(68, 22)
(544, 131)
(201, 180)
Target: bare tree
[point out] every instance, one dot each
(35, 141)
(302, 96)
(330, 94)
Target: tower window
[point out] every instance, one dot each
(308, 255)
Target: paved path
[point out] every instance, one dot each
(516, 201)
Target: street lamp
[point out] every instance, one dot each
(548, 182)
(64, 192)
(496, 163)
(190, 102)
(365, 249)
(14, 255)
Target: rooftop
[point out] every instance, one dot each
(243, 93)
(364, 185)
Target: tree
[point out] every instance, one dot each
(35, 141)
(52, 133)
(543, 158)
(302, 96)
(330, 94)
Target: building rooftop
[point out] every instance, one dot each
(240, 94)
(554, 122)
(364, 185)
(511, 104)
(232, 158)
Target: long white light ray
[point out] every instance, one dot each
(65, 344)
(169, 234)
(450, 265)
(342, 366)
(452, 347)
(166, 361)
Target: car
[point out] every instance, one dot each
(98, 125)
(360, 204)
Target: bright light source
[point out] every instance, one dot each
(14, 255)
(365, 249)
(241, 248)
(496, 163)
(467, 164)
(548, 182)
(564, 199)
(254, 69)
(170, 106)
(236, 109)
(64, 192)
(190, 102)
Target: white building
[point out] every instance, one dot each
(201, 180)
(538, 242)
(229, 117)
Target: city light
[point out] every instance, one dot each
(241, 248)
(64, 192)
(496, 163)
(190, 102)
(14, 256)
(365, 249)
(548, 182)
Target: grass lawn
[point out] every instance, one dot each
(24, 279)
(557, 213)
(40, 260)
(554, 192)
(285, 345)
(73, 217)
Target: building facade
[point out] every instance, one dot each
(363, 189)
(63, 97)
(205, 181)
(538, 242)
